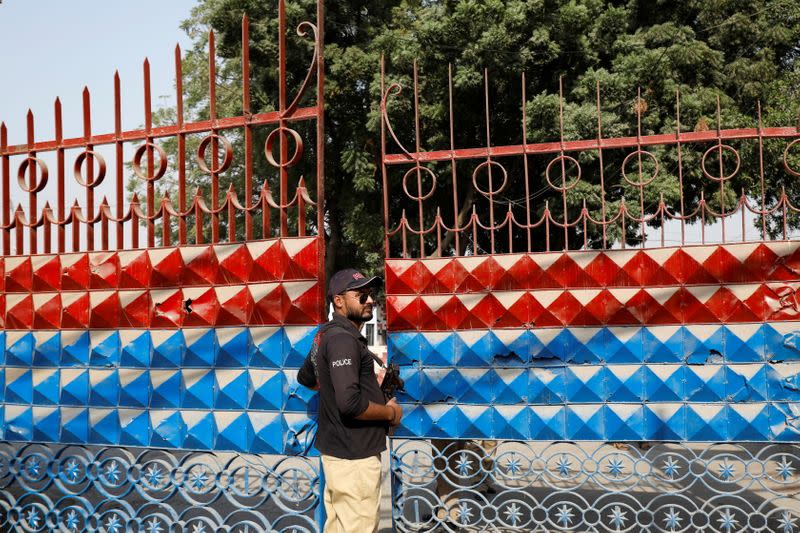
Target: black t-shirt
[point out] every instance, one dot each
(347, 384)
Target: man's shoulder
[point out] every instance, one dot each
(338, 336)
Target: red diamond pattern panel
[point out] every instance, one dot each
(18, 274)
(699, 304)
(74, 272)
(46, 272)
(272, 282)
(135, 269)
(691, 265)
(75, 310)
(104, 270)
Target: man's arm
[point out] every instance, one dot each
(306, 375)
(382, 413)
(344, 363)
(344, 360)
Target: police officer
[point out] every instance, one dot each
(354, 417)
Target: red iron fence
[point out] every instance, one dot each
(498, 224)
(199, 216)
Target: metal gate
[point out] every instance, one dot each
(150, 345)
(588, 385)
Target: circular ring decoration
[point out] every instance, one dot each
(137, 162)
(789, 169)
(269, 145)
(201, 154)
(644, 182)
(718, 147)
(23, 168)
(488, 164)
(567, 186)
(429, 193)
(101, 173)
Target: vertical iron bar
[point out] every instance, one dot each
(453, 173)
(6, 170)
(76, 227)
(248, 131)
(301, 210)
(680, 161)
(20, 229)
(784, 201)
(438, 222)
(404, 225)
(584, 215)
(284, 148)
(265, 212)
(48, 230)
(510, 221)
(103, 225)
(743, 208)
(642, 229)
(721, 172)
(214, 159)
(198, 219)
(547, 225)
(62, 205)
(563, 162)
(419, 171)
(474, 221)
(703, 217)
(661, 209)
(87, 135)
(384, 169)
(32, 173)
(166, 221)
(489, 158)
(525, 162)
(148, 125)
(321, 157)
(602, 166)
(761, 176)
(120, 171)
(181, 147)
(134, 221)
(231, 215)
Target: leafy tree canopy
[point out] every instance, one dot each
(743, 52)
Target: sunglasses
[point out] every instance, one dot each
(363, 296)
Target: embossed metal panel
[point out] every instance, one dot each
(194, 347)
(679, 344)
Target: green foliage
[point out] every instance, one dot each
(740, 51)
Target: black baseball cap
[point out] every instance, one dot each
(350, 279)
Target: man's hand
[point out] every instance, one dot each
(398, 412)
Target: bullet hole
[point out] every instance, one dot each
(187, 305)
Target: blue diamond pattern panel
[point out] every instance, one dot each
(736, 382)
(226, 389)
(235, 388)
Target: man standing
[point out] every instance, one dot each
(354, 416)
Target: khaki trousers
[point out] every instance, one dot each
(352, 494)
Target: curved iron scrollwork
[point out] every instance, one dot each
(80, 488)
(563, 486)
(608, 220)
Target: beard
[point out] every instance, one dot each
(359, 315)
